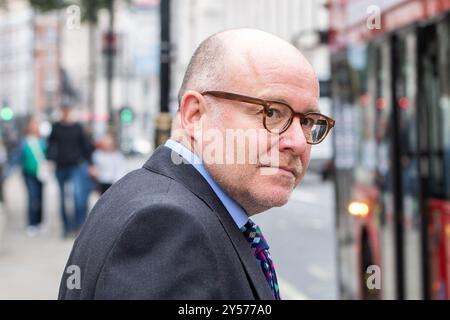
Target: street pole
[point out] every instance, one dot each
(92, 75)
(163, 121)
(111, 43)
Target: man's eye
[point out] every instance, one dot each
(273, 113)
(308, 122)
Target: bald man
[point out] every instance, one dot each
(180, 227)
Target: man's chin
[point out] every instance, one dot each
(276, 198)
(281, 201)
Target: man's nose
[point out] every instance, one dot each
(294, 139)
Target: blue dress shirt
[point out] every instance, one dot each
(234, 209)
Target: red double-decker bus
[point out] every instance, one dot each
(391, 100)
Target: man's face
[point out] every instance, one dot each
(248, 183)
(66, 115)
(33, 127)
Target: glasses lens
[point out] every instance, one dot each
(277, 116)
(315, 127)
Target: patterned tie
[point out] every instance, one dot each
(261, 251)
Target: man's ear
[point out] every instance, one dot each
(192, 108)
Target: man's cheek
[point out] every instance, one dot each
(305, 163)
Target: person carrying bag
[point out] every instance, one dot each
(37, 149)
(35, 172)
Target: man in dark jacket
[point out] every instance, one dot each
(70, 150)
(179, 228)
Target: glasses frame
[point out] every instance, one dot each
(266, 104)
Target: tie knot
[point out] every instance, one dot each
(254, 236)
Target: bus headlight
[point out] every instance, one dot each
(358, 209)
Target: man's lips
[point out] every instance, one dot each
(287, 169)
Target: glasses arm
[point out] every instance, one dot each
(236, 97)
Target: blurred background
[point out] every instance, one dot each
(378, 189)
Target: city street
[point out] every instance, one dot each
(367, 83)
(30, 268)
(300, 234)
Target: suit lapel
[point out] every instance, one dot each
(163, 161)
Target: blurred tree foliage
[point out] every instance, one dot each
(89, 14)
(89, 8)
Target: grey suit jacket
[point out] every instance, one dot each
(162, 233)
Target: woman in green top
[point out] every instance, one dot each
(33, 157)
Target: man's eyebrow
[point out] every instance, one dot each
(312, 108)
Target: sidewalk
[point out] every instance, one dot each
(31, 268)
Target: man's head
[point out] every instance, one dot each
(66, 114)
(32, 128)
(255, 64)
(107, 143)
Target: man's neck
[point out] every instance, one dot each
(188, 144)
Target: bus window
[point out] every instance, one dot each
(445, 110)
(405, 98)
(439, 119)
(436, 87)
(384, 219)
(364, 125)
(343, 111)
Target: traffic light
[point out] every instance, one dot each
(109, 43)
(126, 115)
(6, 113)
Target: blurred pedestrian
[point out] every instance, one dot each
(87, 178)
(70, 149)
(109, 163)
(3, 159)
(35, 173)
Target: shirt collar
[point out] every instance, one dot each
(236, 211)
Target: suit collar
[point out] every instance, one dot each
(164, 161)
(234, 209)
